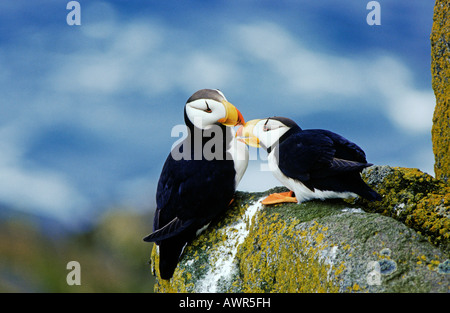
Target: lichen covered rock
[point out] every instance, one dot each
(414, 198)
(440, 70)
(209, 263)
(316, 246)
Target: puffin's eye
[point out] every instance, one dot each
(270, 127)
(208, 109)
(266, 127)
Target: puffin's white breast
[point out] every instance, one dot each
(239, 152)
(302, 193)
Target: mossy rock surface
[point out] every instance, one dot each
(440, 71)
(316, 246)
(414, 198)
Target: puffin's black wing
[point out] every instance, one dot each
(167, 222)
(318, 153)
(190, 194)
(323, 160)
(345, 149)
(171, 229)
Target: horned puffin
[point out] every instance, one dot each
(199, 177)
(313, 163)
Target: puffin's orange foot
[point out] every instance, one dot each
(281, 197)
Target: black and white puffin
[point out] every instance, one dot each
(199, 177)
(313, 163)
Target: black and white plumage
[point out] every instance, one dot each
(314, 163)
(194, 187)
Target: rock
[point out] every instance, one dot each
(316, 246)
(440, 70)
(413, 198)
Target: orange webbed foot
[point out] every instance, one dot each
(282, 197)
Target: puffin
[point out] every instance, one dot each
(199, 177)
(311, 163)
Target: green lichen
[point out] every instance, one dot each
(165, 285)
(415, 198)
(444, 267)
(284, 258)
(197, 257)
(440, 70)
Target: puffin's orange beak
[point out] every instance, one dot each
(234, 117)
(245, 134)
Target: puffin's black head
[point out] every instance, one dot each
(285, 121)
(211, 94)
(207, 107)
(267, 132)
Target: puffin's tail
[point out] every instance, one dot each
(169, 254)
(369, 194)
(355, 183)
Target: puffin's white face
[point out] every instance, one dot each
(269, 131)
(266, 132)
(205, 112)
